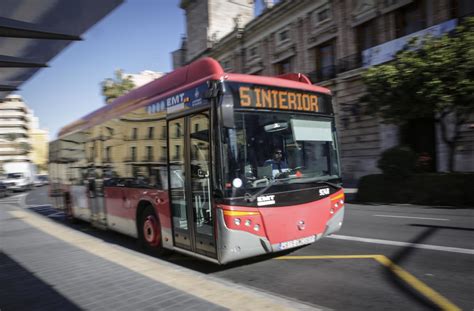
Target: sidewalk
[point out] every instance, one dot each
(47, 266)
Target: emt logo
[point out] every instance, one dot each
(265, 200)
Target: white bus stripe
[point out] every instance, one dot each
(405, 244)
(411, 217)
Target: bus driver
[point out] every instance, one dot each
(279, 165)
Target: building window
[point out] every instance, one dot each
(285, 66)
(461, 8)
(366, 36)
(108, 152)
(253, 52)
(410, 18)
(151, 131)
(227, 65)
(177, 130)
(325, 61)
(164, 153)
(283, 36)
(321, 15)
(133, 154)
(177, 152)
(163, 132)
(91, 154)
(134, 133)
(149, 153)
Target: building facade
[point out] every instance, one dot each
(334, 42)
(39, 139)
(20, 137)
(15, 143)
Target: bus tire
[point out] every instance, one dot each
(149, 232)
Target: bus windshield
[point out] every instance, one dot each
(265, 147)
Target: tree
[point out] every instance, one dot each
(430, 78)
(113, 88)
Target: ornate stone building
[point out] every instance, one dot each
(333, 42)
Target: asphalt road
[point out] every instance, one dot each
(386, 257)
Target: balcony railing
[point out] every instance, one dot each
(350, 62)
(344, 64)
(148, 159)
(325, 73)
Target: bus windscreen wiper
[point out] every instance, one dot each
(251, 198)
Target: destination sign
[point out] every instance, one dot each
(262, 97)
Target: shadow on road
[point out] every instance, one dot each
(403, 256)
(442, 227)
(21, 290)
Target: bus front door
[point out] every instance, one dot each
(190, 183)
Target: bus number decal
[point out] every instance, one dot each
(323, 192)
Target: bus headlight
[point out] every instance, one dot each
(256, 227)
(237, 221)
(248, 222)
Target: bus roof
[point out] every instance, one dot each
(180, 79)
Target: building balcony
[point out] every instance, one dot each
(106, 160)
(12, 114)
(18, 131)
(15, 152)
(350, 62)
(323, 74)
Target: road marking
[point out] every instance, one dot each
(418, 285)
(404, 275)
(410, 217)
(405, 244)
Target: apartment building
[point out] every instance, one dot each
(15, 144)
(21, 139)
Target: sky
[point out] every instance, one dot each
(138, 35)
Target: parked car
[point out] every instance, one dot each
(19, 175)
(4, 191)
(41, 180)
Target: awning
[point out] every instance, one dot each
(32, 32)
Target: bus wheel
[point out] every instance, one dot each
(149, 231)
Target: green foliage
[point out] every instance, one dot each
(114, 88)
(397, 162)
(435, 76)
(430, 78)
(453, 189)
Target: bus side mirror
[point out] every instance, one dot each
(227, 111)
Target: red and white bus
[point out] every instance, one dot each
(216, 165)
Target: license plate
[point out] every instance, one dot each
(297, 242)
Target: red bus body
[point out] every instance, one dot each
(209, 194)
